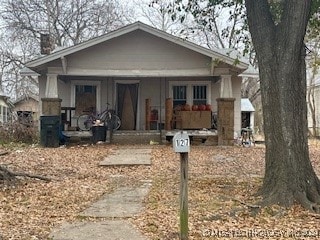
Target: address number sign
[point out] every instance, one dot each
(181, 142)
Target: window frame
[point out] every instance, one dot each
(97, 84)
(190, 85)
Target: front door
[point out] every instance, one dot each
(127, 105)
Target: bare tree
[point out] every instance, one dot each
(68, 22)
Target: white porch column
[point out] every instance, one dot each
(51, 104)
(52, 86)
(226, 87)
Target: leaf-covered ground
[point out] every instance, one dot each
(222, 184)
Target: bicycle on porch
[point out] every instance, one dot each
(107, 117)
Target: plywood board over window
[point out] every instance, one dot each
(85, 98)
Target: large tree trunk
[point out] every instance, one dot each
(289, 176)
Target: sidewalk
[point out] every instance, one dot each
(113, 208)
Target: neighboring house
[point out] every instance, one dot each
(315, 100)
(4, 108)
(136, 63)
(27, 110)
(247, 114)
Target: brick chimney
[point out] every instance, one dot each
(46, 43)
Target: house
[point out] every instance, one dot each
(4, 108)
(27, 110)
(138, 69)
(247, 113)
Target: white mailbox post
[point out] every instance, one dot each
(181, 144)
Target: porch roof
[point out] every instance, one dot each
(246, 105)
(215, 55)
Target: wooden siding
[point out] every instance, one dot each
(136, 54)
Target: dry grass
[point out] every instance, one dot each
(221, 179)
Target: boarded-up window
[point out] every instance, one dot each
(85, 99)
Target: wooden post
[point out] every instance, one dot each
(148, 113)
(184, 196)
(169, 112)
(181, 144)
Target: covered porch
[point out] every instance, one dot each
(156, 106)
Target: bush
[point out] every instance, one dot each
(19, 133)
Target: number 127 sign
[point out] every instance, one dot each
(181, 142)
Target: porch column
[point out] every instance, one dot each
(226, 112)
(51, 103)
(226, 87)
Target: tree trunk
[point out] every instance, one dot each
(289, 176)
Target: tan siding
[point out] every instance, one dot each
(215, 93)
(64, 89)
(138, 51)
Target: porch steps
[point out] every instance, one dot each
(137, 137)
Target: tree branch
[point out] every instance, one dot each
(7, 174)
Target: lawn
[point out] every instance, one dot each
(222, 186)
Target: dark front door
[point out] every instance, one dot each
(127, 105)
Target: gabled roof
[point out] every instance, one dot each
(246, 105)
(26, 98)
(217, 54)
(250, 72)
(28, 72)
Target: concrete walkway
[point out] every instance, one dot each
(128, 156)
(114, 207)
(122, 203)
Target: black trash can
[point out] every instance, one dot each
(49, 131)
(99, 133)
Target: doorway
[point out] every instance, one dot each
(127, 104)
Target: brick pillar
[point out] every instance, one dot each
(225, 121)
(51, 106)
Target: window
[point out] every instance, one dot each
(85, 95)
(1, 114)
(200, 95)
(85, 100)
(179, 95)
(192, 92)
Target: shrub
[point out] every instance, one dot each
(17, 132)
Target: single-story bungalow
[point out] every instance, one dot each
(145, 74)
